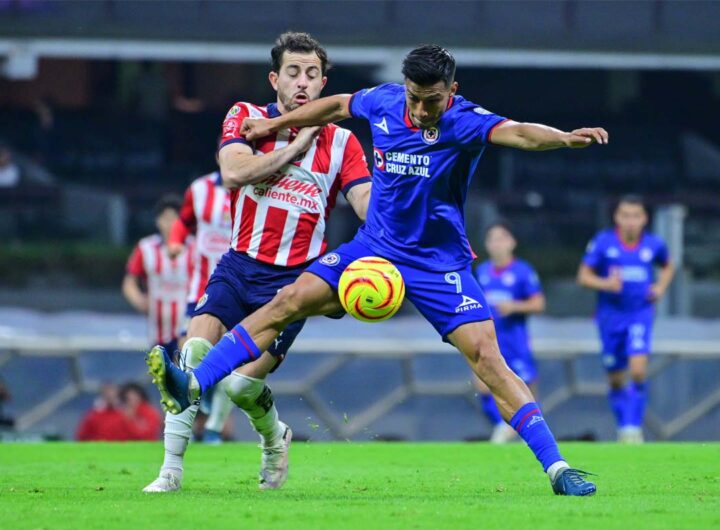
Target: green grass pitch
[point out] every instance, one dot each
(359, 486)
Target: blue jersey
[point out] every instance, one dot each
(421, 178)
(516, 282)
(607, 253)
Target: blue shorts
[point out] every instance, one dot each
(519, 358)
(239, 286)
(446, 299)
(624, 335)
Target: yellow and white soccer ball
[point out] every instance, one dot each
(371, 289)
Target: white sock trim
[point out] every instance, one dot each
(556, 468)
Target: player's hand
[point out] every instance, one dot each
(613, 283)
(505, 308)
(174, 249)
(586, 136)
(305, 137)
(655, 292)
(252, 128)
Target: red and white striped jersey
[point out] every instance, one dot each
(206, 212)
(281, 220)
(167, 283)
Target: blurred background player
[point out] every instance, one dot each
(620, 264)
(283, 188)
(205, 213)
(155, 282)
(513, 290)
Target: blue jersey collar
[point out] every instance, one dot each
(272, 110)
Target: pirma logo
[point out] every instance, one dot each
(467, 304)
(379, 157)
(330, 259)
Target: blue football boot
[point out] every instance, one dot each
(171, 381)
(572, 482)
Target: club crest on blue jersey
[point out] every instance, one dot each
(330, 260)
(431, 135)
(379, 157)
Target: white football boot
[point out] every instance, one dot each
(164, 483)
(274, 466)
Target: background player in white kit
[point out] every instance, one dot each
(283, 188)
(155, 282)
(205, 213)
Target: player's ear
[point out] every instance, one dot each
(453, 88)
(273, 78)
(324, 81)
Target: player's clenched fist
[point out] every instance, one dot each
(252, 129)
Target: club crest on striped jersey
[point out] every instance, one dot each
(330, 260)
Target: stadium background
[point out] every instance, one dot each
(108, 104)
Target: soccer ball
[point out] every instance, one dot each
(371, 289)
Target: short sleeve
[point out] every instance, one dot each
(362, 102)
(354, 169)
(474, 126)
(187, 210)
(531, 285)
(662, 256)
(135, 264)
(593, 254)
(232, 125)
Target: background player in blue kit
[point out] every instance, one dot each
(427, 144)
(620, 264)
(512, 289)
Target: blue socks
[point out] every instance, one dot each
(490, 408)
(234, 349)
(528, 421)
(628, 404)
(636, 404)
(619, 399)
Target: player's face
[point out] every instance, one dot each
(499, 243)
(426, 104)
(165, 220)
(630, 220)
(299, 80)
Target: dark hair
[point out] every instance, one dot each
(501, 223)
(293, 41)
(168, 201)
(132, 387)
(633, 199)
(428, 64)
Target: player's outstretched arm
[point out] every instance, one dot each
(359, 197)
(240, 167)
(538, 137)
(319, 112)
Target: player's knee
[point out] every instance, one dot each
(485, 353)
(248, 393)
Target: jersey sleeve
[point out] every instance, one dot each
(474, 126)
(135, 264)
(362, 102)
(593, 254)
(354, 169)
(232, 124)
(662, 256)
(187, 210)
(531, 283)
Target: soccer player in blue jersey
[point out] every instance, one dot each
(427, 143)
(512, 289)
(620, 264)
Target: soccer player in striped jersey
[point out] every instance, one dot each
(427, 142)
(205, 213)
(282, 189)
(512, 288)
(165, 277)
(620, 265)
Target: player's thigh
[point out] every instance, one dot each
(639, 366)
(206, 326)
